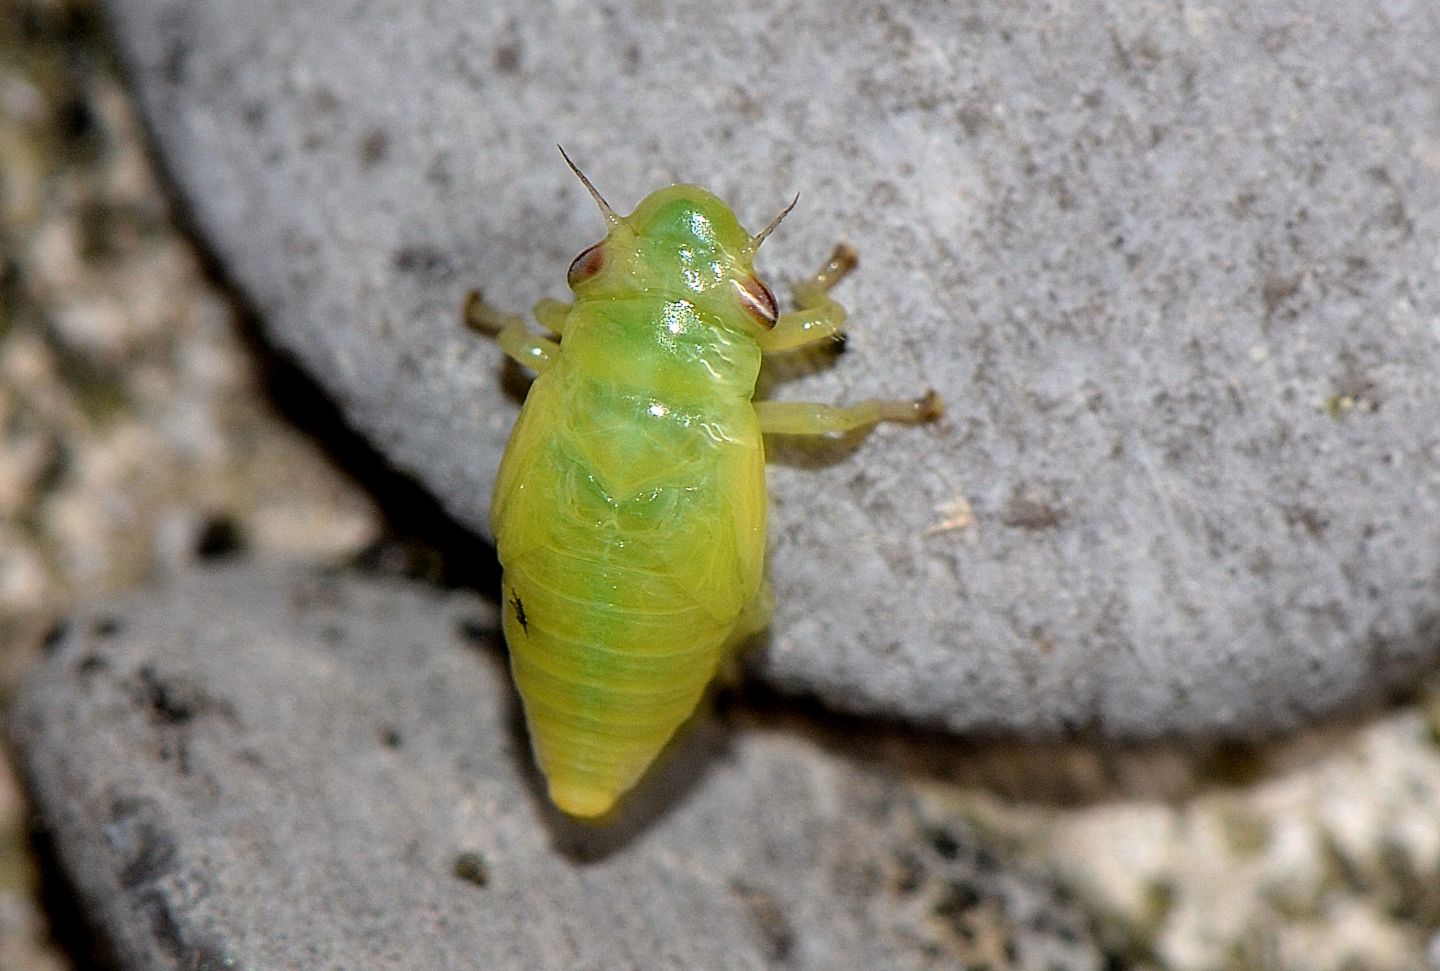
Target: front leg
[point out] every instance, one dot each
(811, 418)
(536, 353)
(552, 314)
(820, 315)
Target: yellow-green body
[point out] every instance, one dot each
(629, 511)
(629, 516)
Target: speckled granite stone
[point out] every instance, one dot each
(1172, 267)
(268, 767)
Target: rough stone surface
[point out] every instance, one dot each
(1173, 268)
(135, 434)
(269, 768)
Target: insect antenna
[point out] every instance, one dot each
(605, 209)
(760, 236)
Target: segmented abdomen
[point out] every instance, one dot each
(631, 551)
(604, 685)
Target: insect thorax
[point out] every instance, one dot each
(672, 350)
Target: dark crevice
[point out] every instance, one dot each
(420, 539)
(71, 931)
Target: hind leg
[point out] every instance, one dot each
(811, 418)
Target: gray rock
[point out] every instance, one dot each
(270, 768)
(1172, 266)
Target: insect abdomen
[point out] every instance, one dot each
(604, 687)
(630, 525)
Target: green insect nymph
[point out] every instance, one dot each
(629, 512)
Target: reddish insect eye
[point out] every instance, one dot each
(758, 301)
(586, 265)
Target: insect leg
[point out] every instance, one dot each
(552, 314)
(820, 316)
(536, 353)
(811, 418)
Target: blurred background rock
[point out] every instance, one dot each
(136, 432)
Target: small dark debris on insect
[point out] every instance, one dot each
(520, 612)
(470, 867)
(390, 737)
